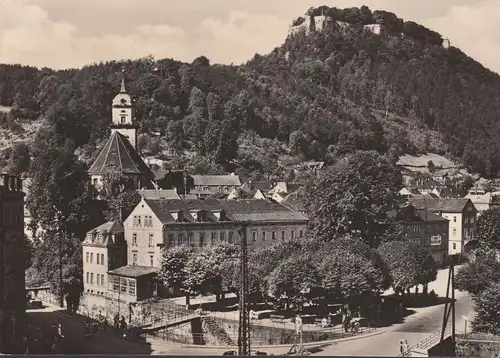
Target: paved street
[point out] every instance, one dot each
(414, 329)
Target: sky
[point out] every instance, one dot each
(73, 33)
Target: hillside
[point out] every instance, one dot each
(347, 79)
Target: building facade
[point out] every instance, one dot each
(12, 266)
(428, 230)
(104, 249)
(461, 214)
(207, 185)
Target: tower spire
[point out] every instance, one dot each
(122, 89)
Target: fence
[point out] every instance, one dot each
(477, 345)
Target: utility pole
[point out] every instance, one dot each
(244, 322)
(449, 306)
(61, 291)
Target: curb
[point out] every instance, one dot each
(310, 344)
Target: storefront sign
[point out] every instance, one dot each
(436, 240)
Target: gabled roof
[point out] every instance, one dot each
(294, 201)
(159, 193)
(216, 180)
(446, 205)
(235, 210)
(119, 154)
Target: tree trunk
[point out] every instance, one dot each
(426, 288)
(416, 290)
(187, 300)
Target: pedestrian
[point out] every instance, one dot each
(401, 346)
(116, 320)
(406, 346)
(123, 326)
(95, 329)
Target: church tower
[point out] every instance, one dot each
(123, 115)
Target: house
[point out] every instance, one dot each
(157, 224)
(409, 192)
(295, 202)
(104, 249)
(428, 229)
(206, 185)
(461, 214)
(481, 199)
(12, 266)
(251, 189)
(119, 154)
(159, 193)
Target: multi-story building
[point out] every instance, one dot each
(12, 266)
(461, 214)
(157, 224)
(429, 230)
(104, 249)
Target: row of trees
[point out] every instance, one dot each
(481, 275)
(353, 251)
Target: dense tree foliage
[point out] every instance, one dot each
(353, 197)
(487, 310)
(316, 96)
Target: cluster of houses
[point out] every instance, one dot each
(121, 259)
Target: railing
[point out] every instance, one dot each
(428, 342)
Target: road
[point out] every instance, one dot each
(425, 322)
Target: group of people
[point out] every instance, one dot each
(120, 324)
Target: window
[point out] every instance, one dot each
(454, 246)
(416, 228)
(134, 258)
(102, 259)
(123, 285)
(134, 239)
(102, 280)
(231, 237)
(190, 238)
(254, 236)
(123, 119)
(151, 260)
(150, 243)
(138, 221)
(471, 220)
(292, 234)
(87, 280)
(183, 238)
(222, 236)
(148, 221)
(202, 238)
(171, 240)
(454, 219)
(282, 234)
(134, 221)
(91, 278)
(263, 236)
(98, 257)
(131, 287)
(213, 237)
(221, 189)
(205, 188)
(454, 231)
(273, 235)
(87, 257)
(301, 234)
(179, 239)
(471, 233)
(91, 257)
(115, 281)
(466, 219)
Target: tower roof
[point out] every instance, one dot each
(122, 99)
(118, 154)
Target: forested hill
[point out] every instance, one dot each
(317, 96)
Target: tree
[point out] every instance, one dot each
(292, 280)
(488, 229)
(475, 276)
(120, 207)
(487, 310)
(173, 271)
(19, 158)
(353, 197)
(406, 262)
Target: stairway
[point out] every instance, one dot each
(217, 331)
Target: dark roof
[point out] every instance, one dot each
(447, 205)
(429, 216)
(294, 201)
(239, 210)
(133, 271)
(109, 227)
(119, 154)
(216, 180)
